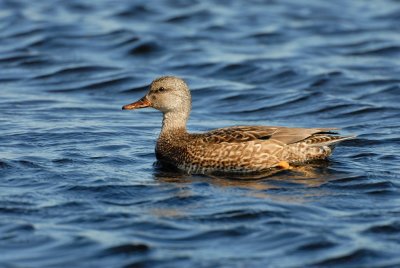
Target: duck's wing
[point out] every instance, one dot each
(282, 135)
(238, 134)
(294, 135)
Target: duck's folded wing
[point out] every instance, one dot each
(238, 134)
(250, 133)
(293, 135)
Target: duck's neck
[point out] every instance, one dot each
(174, 123)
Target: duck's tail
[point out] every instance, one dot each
(326, 139)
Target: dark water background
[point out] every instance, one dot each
(77, 183)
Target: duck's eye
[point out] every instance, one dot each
(161, 89)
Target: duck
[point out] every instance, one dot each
(235, 149)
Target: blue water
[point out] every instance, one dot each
(78, 187)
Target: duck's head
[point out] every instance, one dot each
(167, 94)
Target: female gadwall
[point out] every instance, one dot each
(240, 149)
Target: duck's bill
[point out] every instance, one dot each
(142, 103)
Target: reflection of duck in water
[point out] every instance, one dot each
(241, 149)
(258, 185)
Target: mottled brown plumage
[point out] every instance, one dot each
(239, 149)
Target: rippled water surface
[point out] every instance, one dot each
(78, 187)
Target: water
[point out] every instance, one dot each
(78, 187)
